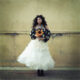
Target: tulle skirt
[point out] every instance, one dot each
(36, 55)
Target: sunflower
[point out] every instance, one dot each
(39, 32)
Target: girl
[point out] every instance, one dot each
(36, 55)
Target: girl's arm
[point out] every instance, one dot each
(47, 34)
(32, 34)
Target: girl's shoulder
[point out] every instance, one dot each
(47, 27)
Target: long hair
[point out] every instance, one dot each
(44, 23)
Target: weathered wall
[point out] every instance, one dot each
(61, 16)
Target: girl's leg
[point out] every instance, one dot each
(39, 72)
(42, 72)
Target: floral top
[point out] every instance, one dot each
(47, 34)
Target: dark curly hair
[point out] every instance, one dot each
(44, 23)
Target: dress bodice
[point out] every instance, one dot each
(46, 34)
(39, 27)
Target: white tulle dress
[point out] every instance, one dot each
(36, 55)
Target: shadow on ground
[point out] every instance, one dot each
(31, 75)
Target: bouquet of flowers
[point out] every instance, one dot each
(41, 33)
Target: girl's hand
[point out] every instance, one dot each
(36, 35)
(40, 38)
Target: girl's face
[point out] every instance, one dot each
(39, 20)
